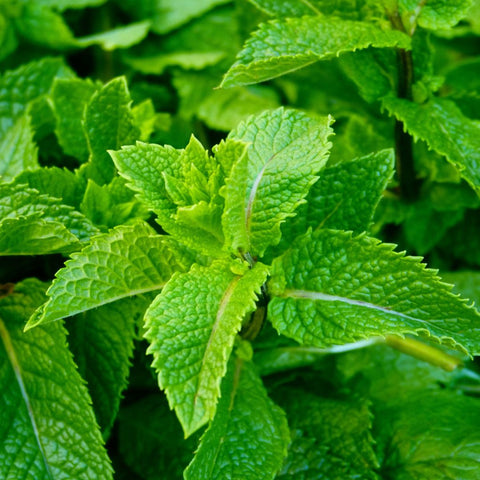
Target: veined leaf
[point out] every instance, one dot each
(127, 261)
(333, 288)
(47, 425)
(445, 129)
(283, 46)
(265, 186)
(248, 437)
(101, 341)
(191, 327)
(344, 197)
(109, 124)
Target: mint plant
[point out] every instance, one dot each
(205, 282)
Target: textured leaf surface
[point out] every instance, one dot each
(331, 437)
(248, 437)
(282, 46)
(191, 327)
(127, 261)
(109, 124)
(344, 197)
(31, 222)
(445, 129)
(429, 436)
(264, 188)
(101, 341)
(436, 14)
(145, 451)
(47, 427)
(333, 288)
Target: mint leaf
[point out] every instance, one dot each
(266, 185)
(70, 97)
(61, 5)
(47, 426)
(416, 439)
(282, 46)
(248, 437)
(334, 288)
(32, 223)
(338, 430)
(109, 124)
(197, 316)
(445, 129)
(127, 261)
(101, 341)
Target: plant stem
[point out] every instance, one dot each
(424, 352)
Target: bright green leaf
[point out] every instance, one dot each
(248, 437)
(127, 261)
(196, 317)
(334, 288)
(282, 46)
(265, 186)
(47, 427)
(61, 5)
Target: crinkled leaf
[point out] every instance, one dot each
(248, 437)
(101, 341)
(339, 429)
(429, 436)
(191, 327)
(47, 427)
(70, 97)
(445, 129)
(127, 261)
(282, 46)
(265, 186)
(109, 124)
(344, 197)
(334, 288)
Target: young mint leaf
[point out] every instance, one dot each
(109, 124)
(127, 261)
(439, 14)
(248, 437)
(196, 317)
(334, 288)
(445, 129)
(429, 436)
(26, 217)
(19, 151)
(282, 46)
(101, 341)
(344, 197)
(47, 426)
(340, 429)
(70, 97)
(62, 5)
(265, 186)
(147, 453)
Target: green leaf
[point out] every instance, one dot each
(147, 453)
(266, 185)
(466, 283)
(197, 316)
(127, 261)
(345, 196)
(445, 129)
(334, 288)
(47, 425)
(429, 436)
(61, 5)
(18, 149)
(248, 437)
(282, 46)
(70, 97)
(340, 429)
(435, 15)
(109, 124)
(101, 341)
(26, 217)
